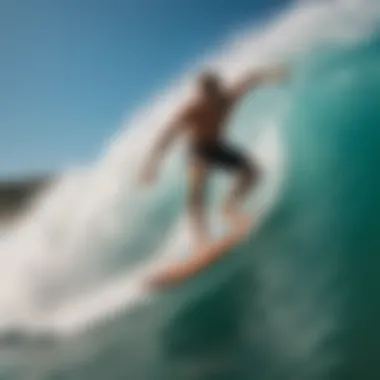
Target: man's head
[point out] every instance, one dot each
(209, 83)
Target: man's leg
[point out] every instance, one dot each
(196, 201)
(247, 178)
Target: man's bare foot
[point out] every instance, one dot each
(242, 224)
(234, 217)
(200, 242)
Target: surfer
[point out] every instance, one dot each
(203, 120)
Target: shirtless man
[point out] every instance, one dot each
(203, 122)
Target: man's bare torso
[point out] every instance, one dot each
(206, 120)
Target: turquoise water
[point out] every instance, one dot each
(298, 300)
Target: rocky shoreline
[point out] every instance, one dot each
(16, 194)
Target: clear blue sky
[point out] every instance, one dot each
(71, 69)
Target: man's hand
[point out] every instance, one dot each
(148, 175)
(275, 74)
(256, 78)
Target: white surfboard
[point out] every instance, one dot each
(201, 259)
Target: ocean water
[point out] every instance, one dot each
(296, 300)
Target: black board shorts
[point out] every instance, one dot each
(221, 155)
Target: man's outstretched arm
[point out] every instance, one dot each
(165, 140)
(256, 78)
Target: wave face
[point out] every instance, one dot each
(297, 300)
